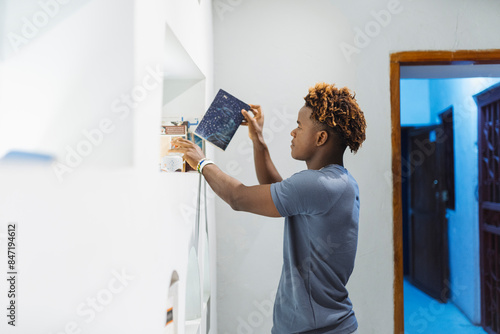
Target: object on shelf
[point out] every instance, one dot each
(192, 136)
(172, 305)
(175, 130)
(191, 125)
(170, 321)
(172, 163)
(197, 140)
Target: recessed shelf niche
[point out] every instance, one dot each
(184, 86)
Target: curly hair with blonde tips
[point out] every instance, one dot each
(339, 111)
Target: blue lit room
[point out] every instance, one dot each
(443, 138)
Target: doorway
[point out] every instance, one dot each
(425, 212)
(412, 59)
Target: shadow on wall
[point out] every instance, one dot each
(25, 157)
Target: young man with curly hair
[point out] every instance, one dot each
(320, 206)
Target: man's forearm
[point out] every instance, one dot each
(222, 184)
(254, 199)
(264, 166)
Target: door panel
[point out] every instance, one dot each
(428, 224)
(489, 206)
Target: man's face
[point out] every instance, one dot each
(304, 136)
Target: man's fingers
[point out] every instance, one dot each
(177, 150)
(181, 140)
(255, 108)
(254, 111)
(257, 113)
(182, 143)
(249, 119)
(247, 116)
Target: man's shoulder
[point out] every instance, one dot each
(328, 174)
(310, 191)
(305, 177)
(314, 183)
(330, 169)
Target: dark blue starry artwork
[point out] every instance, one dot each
(222, 119)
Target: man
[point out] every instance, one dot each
(320, 206)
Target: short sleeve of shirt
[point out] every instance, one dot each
(305, 193)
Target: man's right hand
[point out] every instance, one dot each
(264, 166)
(255, 124)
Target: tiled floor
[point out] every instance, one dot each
(426, 315)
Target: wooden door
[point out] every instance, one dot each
(429, 267)
(489, 206)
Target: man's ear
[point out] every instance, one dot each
(321, 138)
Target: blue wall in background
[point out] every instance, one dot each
(463, 223)
(415, 102)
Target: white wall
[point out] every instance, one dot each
(270, 52)
(114, 211)
(72, 239)
(61, 75)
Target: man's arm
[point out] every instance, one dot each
(255, 199)
(264, 166)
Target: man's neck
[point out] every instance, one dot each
(319, 163)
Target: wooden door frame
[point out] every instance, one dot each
(415, 58)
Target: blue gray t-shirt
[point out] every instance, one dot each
(320, 240)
